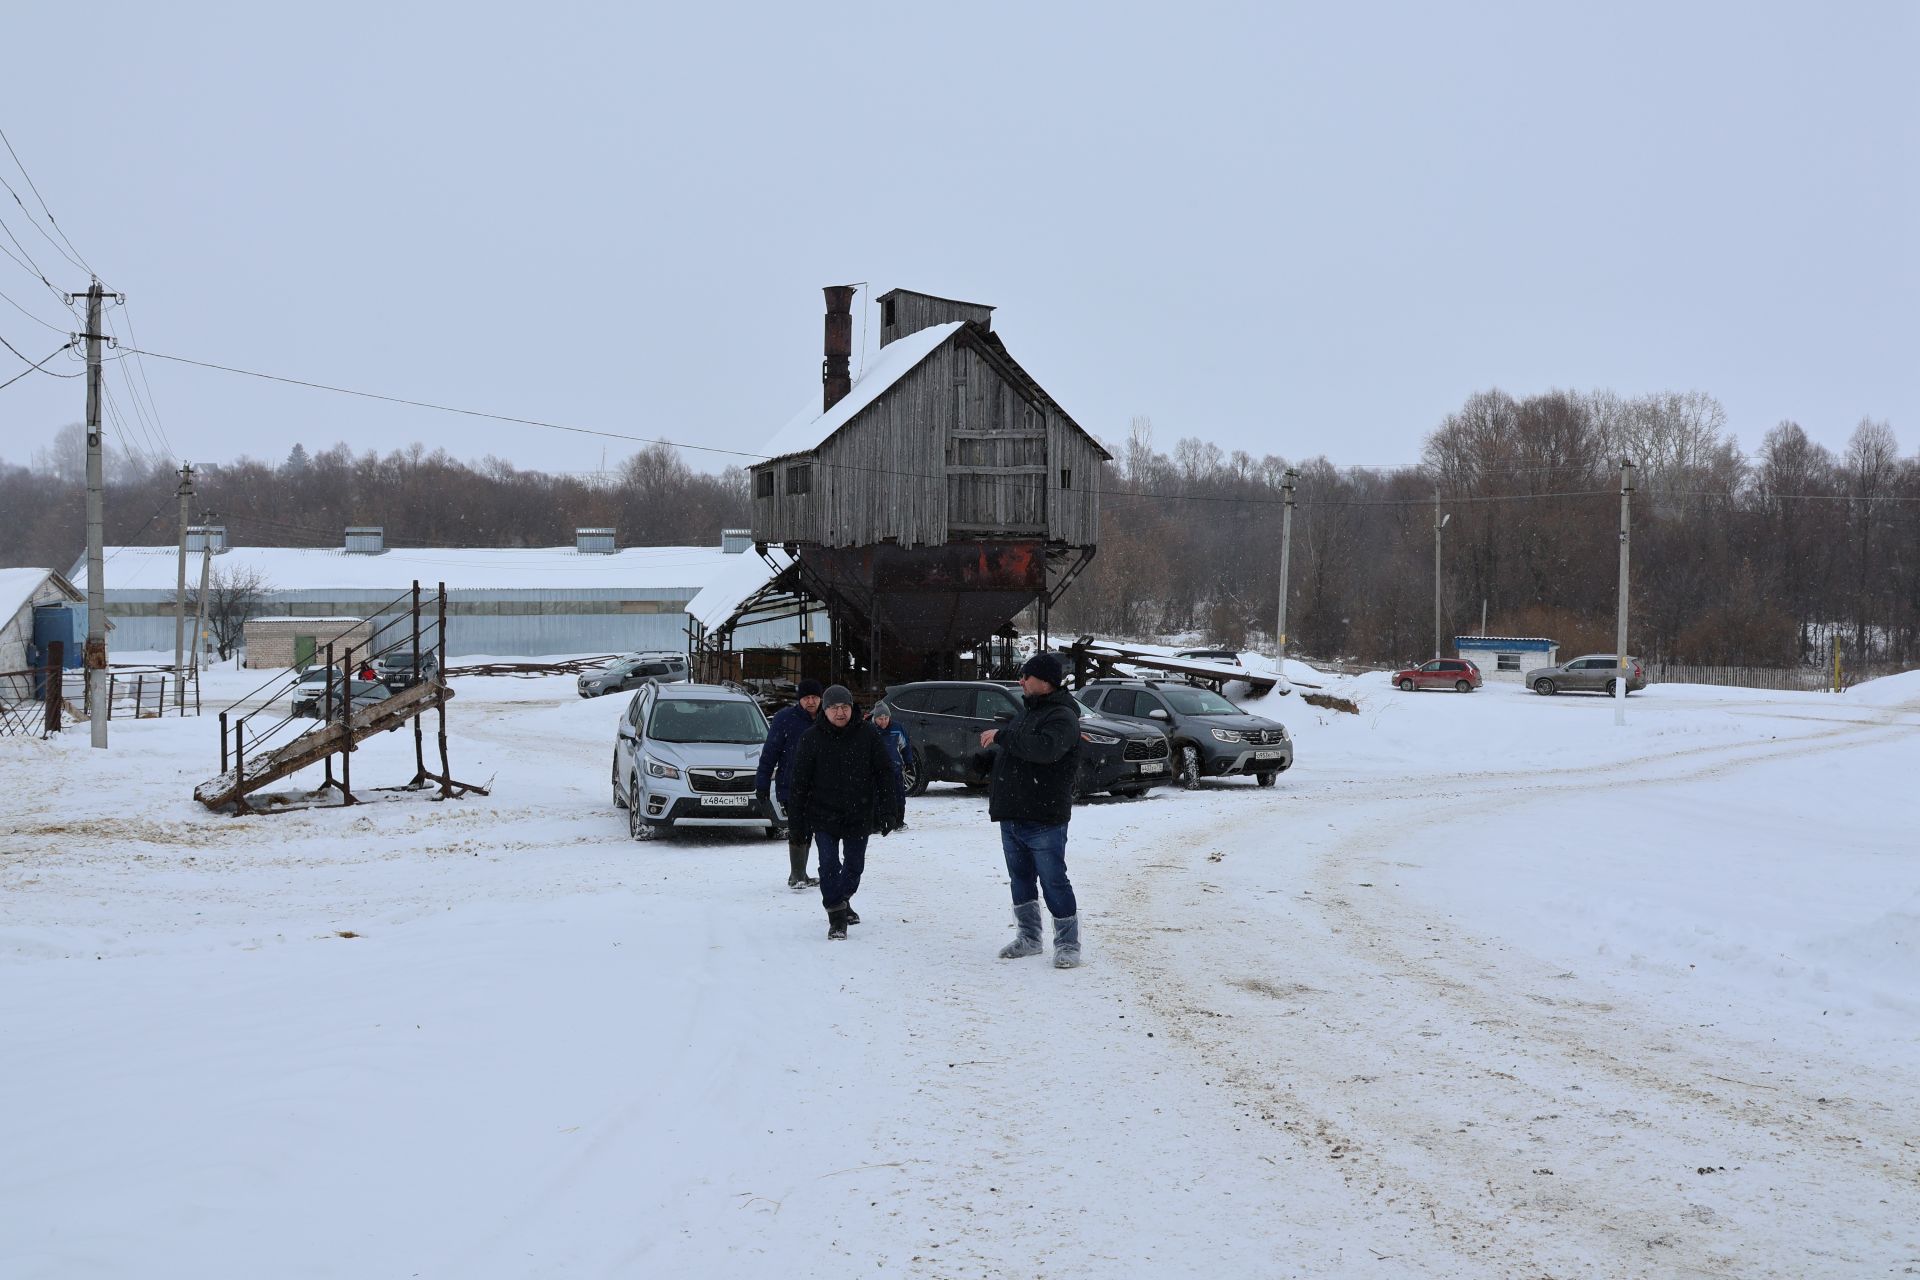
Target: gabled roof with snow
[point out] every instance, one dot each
(18, 586)
(810, 428)
(307, 569)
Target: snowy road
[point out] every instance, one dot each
(1486, 987)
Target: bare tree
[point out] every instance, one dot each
(233, 596)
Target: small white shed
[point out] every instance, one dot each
(1507, 657)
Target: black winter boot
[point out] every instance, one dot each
(853, 917)
(837, 922)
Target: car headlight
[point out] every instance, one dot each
(1227, 735)
(1104, 739)
(660, 769)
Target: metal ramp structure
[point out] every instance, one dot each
(1096, 659)
(248, 763)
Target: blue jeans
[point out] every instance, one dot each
(1038, 852)
(842, 859)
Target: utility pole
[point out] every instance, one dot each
(96, 651)
(200, 606)
(1439, 523)
(180, 589)
(1620, 623)
(1286, 553)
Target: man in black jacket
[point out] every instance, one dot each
(775, 776)
(843, 790)
(1035, 760)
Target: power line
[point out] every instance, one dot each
(32, 367)
(73, 257)
(29, 315)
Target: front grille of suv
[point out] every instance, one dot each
(1265, 737)
(1145, 749)
(708, 780)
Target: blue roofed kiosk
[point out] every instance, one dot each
(1507, 658)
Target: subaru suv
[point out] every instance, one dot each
(686, 756)
(943, 720)
(1211, 737)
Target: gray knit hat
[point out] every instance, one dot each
(837, 695)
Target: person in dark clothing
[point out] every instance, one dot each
(775, 777)
(901, 751)
(843, 789)
(1034, 762)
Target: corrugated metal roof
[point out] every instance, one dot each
(1459, 640)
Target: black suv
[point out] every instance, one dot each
(944, 719)
(1212, 738)
(399, 669)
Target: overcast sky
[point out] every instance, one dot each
(1292, 229)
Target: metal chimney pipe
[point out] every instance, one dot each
(836, 374)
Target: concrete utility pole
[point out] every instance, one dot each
(180, 589)
(1286, 553)
(96, 651)
(200, 606)
(1439, 523)
(1620, 623)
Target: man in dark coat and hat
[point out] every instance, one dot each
(1035, 760)
(843, 789)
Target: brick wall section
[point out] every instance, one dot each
(270, 640)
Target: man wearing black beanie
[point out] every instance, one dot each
(1035, 760)
(775, 776)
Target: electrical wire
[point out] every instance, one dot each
(33, 367)
(29, 315)
(73, 257)
(134, 341)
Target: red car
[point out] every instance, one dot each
(1442, 673)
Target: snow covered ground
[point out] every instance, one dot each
(1487, 986)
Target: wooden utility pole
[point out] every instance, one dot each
(180, 590)
(1286, 552)
(96, 651)
(1620, 622)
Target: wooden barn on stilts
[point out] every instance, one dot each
(929, 503)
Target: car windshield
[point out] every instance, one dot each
(706, 720)
(1199, 702)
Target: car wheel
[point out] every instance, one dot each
(619, 798)
(1463, 686)
(1543, 687)
(638, 827)
(915, 777)
(1186, 770)
(1265, 779)
(1406, 686)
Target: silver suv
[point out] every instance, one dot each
(1594, 672)
(631, 672)
(686, 755)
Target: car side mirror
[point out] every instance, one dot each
(1158, 714)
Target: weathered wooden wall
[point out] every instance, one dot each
(913, 312)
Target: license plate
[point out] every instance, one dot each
(726, 802)
(1154, 766)
(1268, 755)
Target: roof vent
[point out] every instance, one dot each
(734, 541)
(366, 540)
(594, 542)
(204, 537)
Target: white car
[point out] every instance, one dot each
(686, 756)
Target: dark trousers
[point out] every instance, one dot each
(842, 859)
(1037, 865)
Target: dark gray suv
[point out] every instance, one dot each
(1211, 737)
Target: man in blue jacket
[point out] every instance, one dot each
(775, 776)
(1034, 762)
(899, 750)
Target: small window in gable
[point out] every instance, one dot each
(763, 484)
(886, 312)
(800, 478)
(1066, 477)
